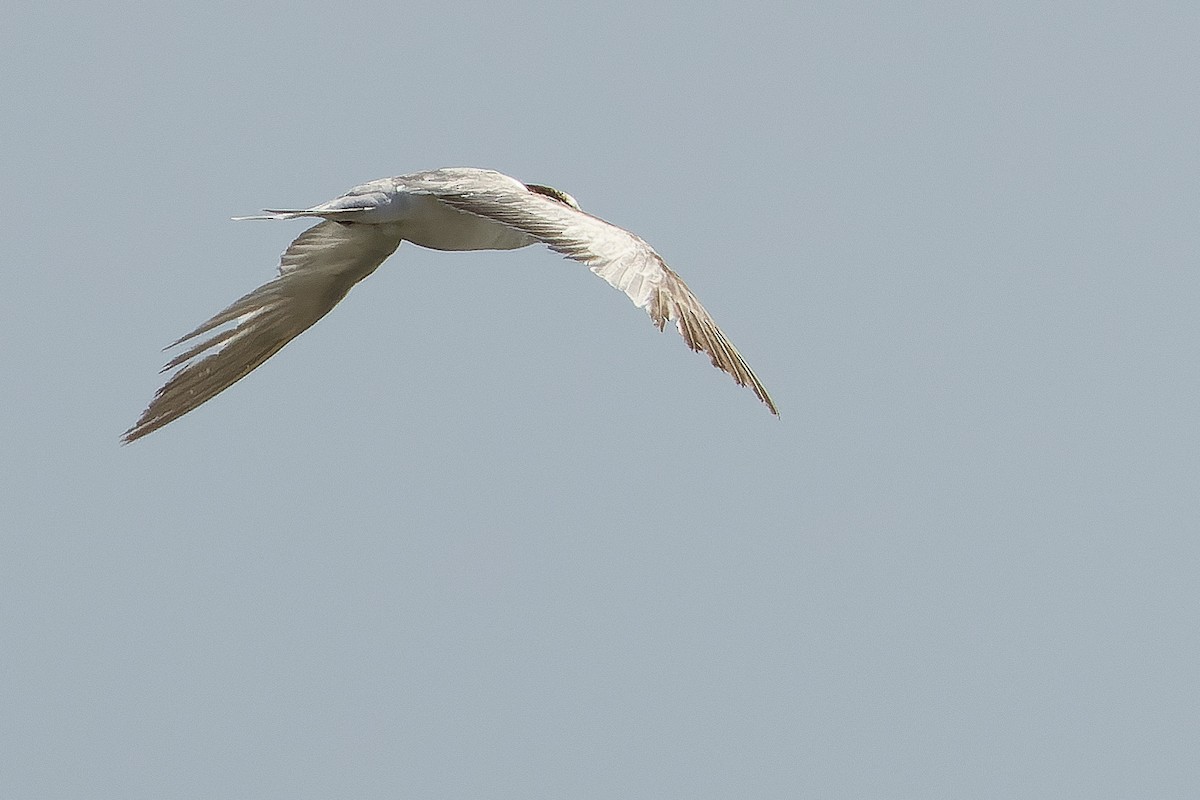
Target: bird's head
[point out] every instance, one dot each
(555, 194)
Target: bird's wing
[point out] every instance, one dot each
(315, 273)
(623, 259)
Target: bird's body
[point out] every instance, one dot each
(423, 219)
(445, 209)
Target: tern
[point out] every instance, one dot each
(443, 209)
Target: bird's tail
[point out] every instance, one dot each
(277, 213)
(327, 211)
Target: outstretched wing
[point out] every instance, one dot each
(315, 273)
(623, 259)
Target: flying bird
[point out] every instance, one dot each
(443, 209)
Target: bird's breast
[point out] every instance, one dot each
(431, 223)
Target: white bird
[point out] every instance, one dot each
(443, 209)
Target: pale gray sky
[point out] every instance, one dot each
(465, 540)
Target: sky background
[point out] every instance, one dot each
(484, 533)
